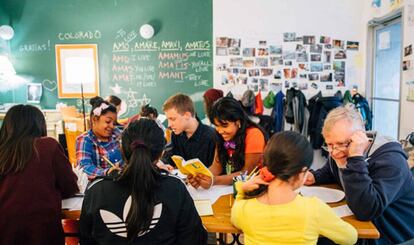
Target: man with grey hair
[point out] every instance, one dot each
(373, 172)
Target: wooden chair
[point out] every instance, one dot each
(71, 231)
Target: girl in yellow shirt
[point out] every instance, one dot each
(273, 213)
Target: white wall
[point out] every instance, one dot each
(269, 19)
(340, 19)
(406, 107)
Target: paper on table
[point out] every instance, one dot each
(327, 195)
(73, 203)
(342, 211)
(211, 194)
(203, 207)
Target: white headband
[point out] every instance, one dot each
(98, 110)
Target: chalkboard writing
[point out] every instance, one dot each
(177, 59)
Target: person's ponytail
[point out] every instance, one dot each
(142, 175)
(142, 145)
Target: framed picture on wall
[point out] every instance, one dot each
(77, 70)
(34, 92)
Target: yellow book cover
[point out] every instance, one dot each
(191, 166)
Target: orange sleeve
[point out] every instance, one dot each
(255, 141)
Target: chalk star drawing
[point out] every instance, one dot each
(131, 100)
(144, 100)
(116, 89)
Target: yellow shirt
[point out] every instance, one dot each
(300, 221)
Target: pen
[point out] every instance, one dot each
(251, 173)
(108, 161)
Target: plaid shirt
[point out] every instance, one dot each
(90, 152)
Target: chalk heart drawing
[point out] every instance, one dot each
(49, 85)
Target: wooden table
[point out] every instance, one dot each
(220, 221)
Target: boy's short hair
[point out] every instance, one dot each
(181, 102)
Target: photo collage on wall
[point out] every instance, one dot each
(298, 61)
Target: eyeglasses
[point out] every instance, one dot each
(338, 147)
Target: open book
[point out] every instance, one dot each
(191, 166)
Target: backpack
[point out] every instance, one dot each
(361, 104)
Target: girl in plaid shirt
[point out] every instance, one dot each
(97, 150)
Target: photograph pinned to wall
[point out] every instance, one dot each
(376, 3)
(327, 67)
(316, 67)
(262, 62)
(286, 73)
(408, 50)
(289, 55)
(407, 65)
(325, 40)
(313, 76)
(303, 86)
(329, 87)
(253, 87)
(315, 57)
(309, 40)
(299, 39)
(224, 80)
(340, 54)
(303, 76)
(276, 60)
(338, 44)
(34, 92)
(278, 74)
(314, 85)
(221, 67)
(266, 72)
(327, 56)
(234, 42)
(287, 84)
(221, 51)
(395, 3)
(243, 71)
(339, 66)
(275, 87)
(222, 42)
(316, 48)
(288, 63)
(242, 80)
(328, 46)
(236, 62)
(300, 48)
(254, 72)
(262, 51)
(294, 84)
(264, 84)
(252, 80)
(234, 51)
(289, 36)
(302, 57)
(303, 66)
(235, 71)
(340, 83)
(262, 43)
(275, 49)
(249, 52)
(294, 73)
(339, 76)
(248, 63)
(352, 45)
(326, 77)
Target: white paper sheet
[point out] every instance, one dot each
(211, 194)
(342, 211)
(73, 203)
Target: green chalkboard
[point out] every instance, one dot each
(177, 59)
